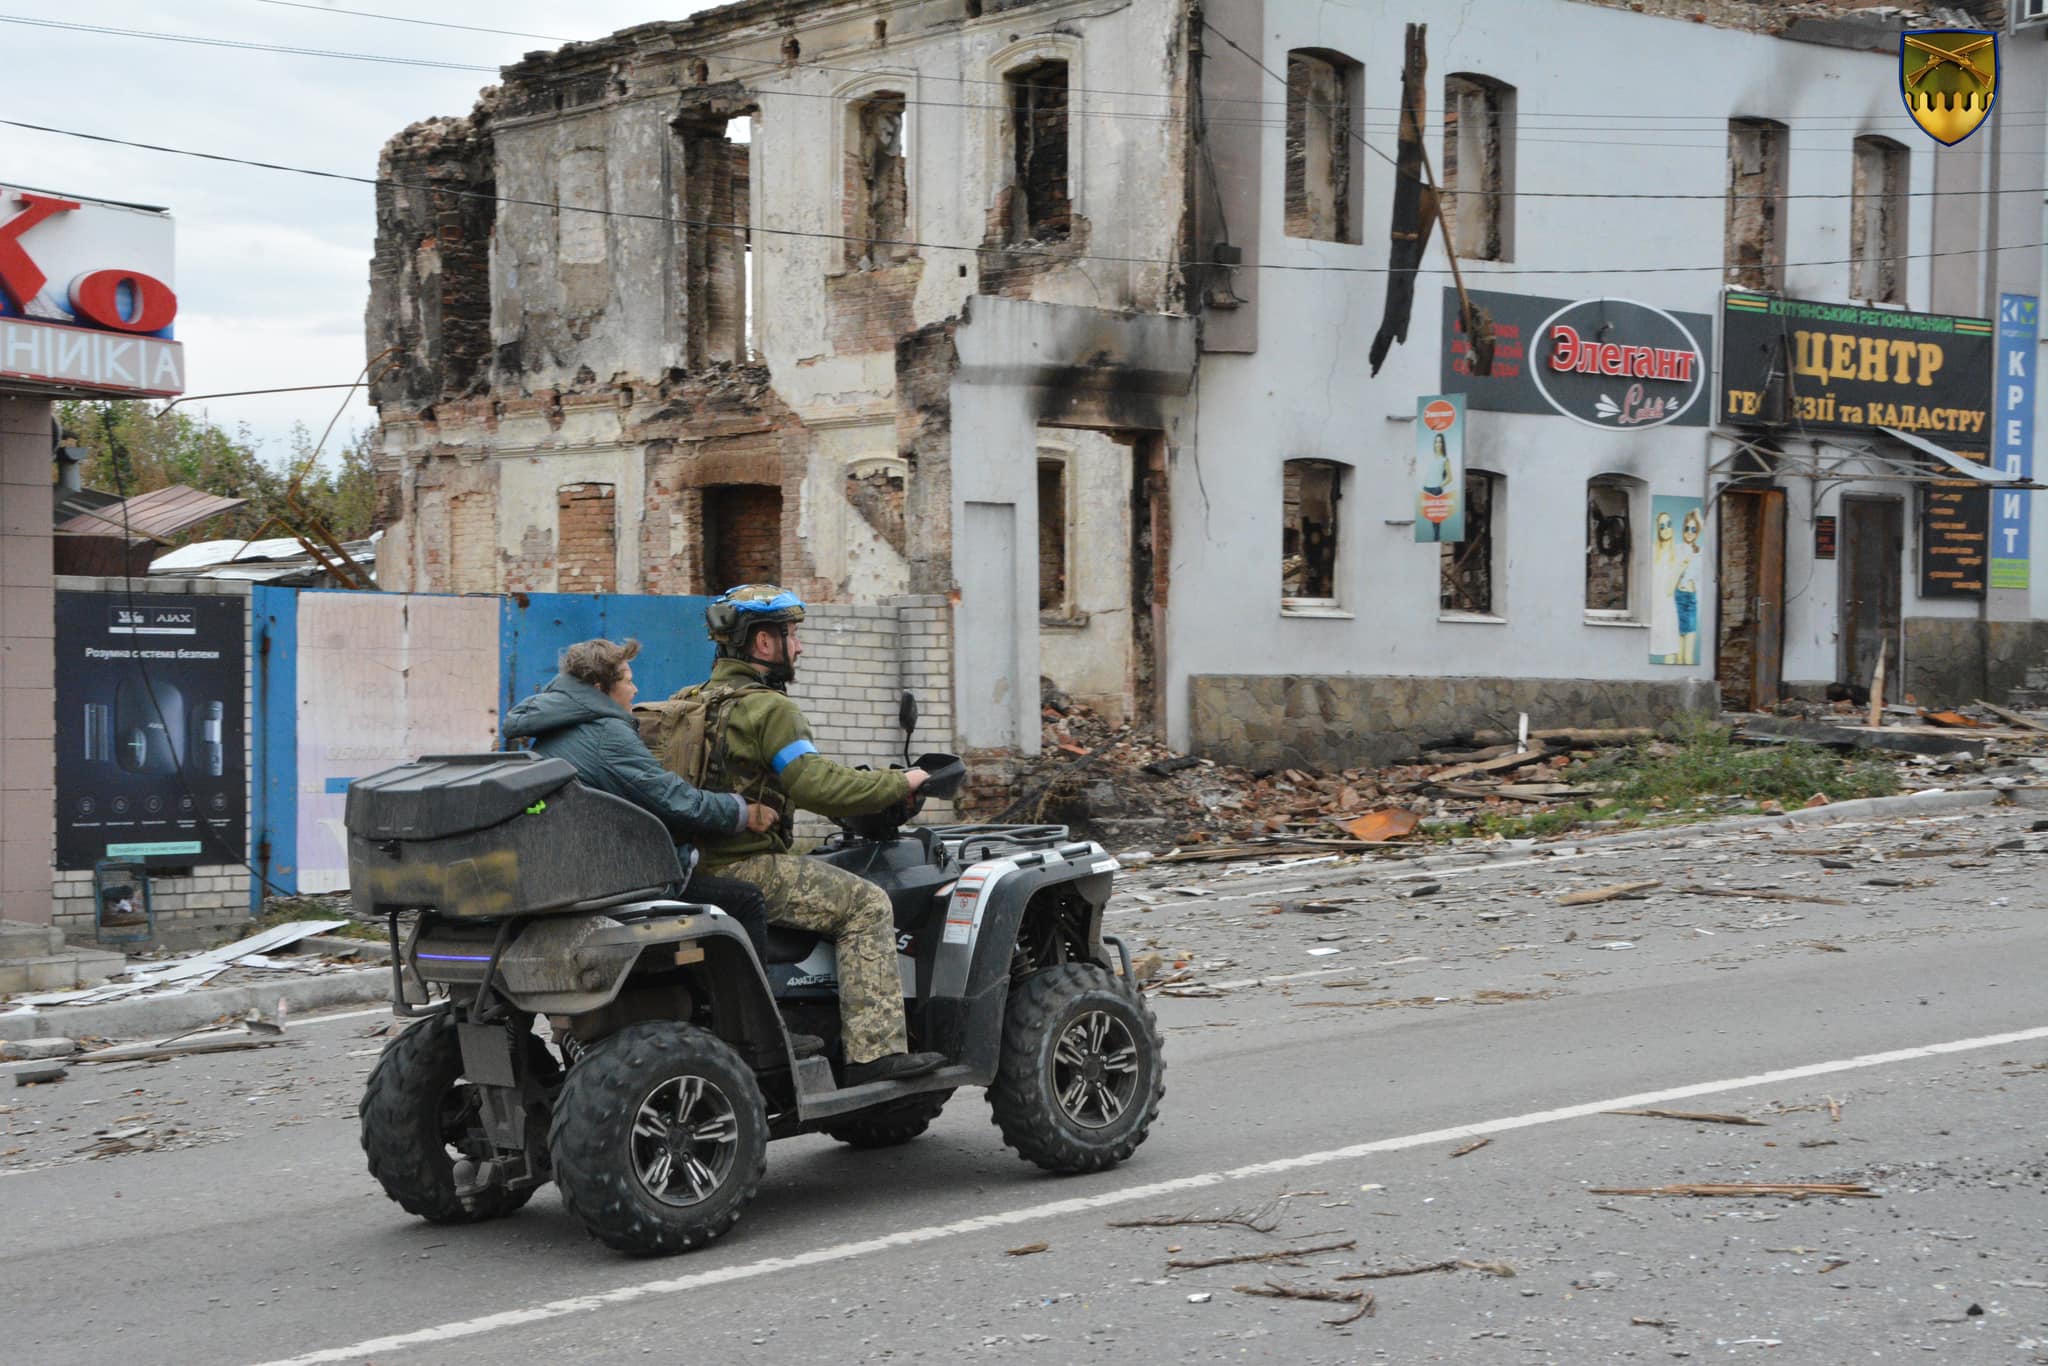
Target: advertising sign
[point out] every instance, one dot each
(1608, 363)
(149, 729)
(1678, 561)
(2012, 402)
(86, 300)
(1440, 467)
(1850, 368)
(1955, 527)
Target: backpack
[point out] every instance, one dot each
(683, 730)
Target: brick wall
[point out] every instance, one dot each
(857, 662)
(742, 536)
(587, 539)
(28, 710)
(209, 893)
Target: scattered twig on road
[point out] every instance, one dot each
(1647, 1323)
(1452, 1264)
(1474, 1146)
(1026, 1250)
(1594, 895)
(1285, 1254)
(1816, 1142)
(1702, 1116)
(1791, 1190)
(1836, 1265)
(1263, 1219)
(1274, 1290)
(1834, 1109)
(1761, 894)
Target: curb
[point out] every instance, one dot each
(155, 1015)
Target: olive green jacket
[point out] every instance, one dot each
(761, 748)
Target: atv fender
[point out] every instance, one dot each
(971, 979)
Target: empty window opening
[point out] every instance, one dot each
(1322, 106)
(1052, 537)
(1756, 204)
(712, 190)
(586, 539)
(742, 535)
(1468, 569)
(1041, 201)
(1610, 547)
(1478, 170)
(1310, 490)
(1877, 221)
(876, 191)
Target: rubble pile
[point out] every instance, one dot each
(1120, 784)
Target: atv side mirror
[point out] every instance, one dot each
(906, 719)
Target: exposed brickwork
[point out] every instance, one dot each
(473, 542)
(1756, 204)
(586, 539)
(875, 193)
(742, 535)
(1318, 168)
(926, 362)
(877, 495)
(867, 310)
(1052, 536)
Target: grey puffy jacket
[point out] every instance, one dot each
(569, 719)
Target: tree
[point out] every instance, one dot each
(135, 451)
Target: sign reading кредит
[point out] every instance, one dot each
(149, 729)
(86, 301)
(1851, 368)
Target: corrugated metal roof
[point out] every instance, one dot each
(206, 554)
(155, 515)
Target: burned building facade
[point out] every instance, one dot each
(876, 299)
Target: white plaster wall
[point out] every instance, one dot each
(1306, 391)
(838, 538)
(528, 487)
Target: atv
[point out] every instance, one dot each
(578, 1021)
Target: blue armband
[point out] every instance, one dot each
(790, 753)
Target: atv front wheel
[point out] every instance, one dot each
(418, 1118)
(1081, 1074)
(660, 1138)
(885, 1126)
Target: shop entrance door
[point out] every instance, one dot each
(1873, 549)
(1750, 657)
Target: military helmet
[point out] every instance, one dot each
(734, 614)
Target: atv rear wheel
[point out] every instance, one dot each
(660, 1138)
(885, 1126)
(419, 1117)
(1081, 1073)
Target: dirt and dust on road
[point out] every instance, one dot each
(1122, 785)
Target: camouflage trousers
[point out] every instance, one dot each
(805, 894)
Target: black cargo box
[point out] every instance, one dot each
(480, 836)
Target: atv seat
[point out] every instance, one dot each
(786, 945)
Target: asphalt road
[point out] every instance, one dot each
(1898, 1039)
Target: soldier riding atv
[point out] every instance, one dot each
(671, 1063)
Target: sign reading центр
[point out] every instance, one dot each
(86, 300)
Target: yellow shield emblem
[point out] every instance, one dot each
(1948, 76)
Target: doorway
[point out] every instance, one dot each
(1750, 652)
(1873, 549)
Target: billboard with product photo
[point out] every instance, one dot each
(150, 752)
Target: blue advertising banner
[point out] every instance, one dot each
(2012, 406)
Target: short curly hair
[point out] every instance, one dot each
(599, 662)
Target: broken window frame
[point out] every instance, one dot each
(1310, 604)
(1019, 109)
(857, 224)
(1480, 217)
(1344, 180)
(1059, 612)
(1886, 264)
(1758, 151)
(1635, 495)
(1484, 536)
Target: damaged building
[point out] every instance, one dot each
(1062, 310)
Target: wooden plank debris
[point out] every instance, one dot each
(151, 1052)
(1452, 1264)
(2013, 718)
(1594, 895)
(1790, 1190)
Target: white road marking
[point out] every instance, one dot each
(841, 1252)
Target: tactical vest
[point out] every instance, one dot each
(686, 733)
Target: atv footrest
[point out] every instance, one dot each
(817, 1098)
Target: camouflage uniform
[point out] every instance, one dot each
(760, 746)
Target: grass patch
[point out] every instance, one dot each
(1700, 774)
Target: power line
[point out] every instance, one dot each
(1052, 253)
(105, 31)
(1715, 119)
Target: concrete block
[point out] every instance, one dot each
(29, 941)
(38, 1050)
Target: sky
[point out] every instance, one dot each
(272, 269)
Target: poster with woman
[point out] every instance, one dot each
(1440, 467)
(1677, 568)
